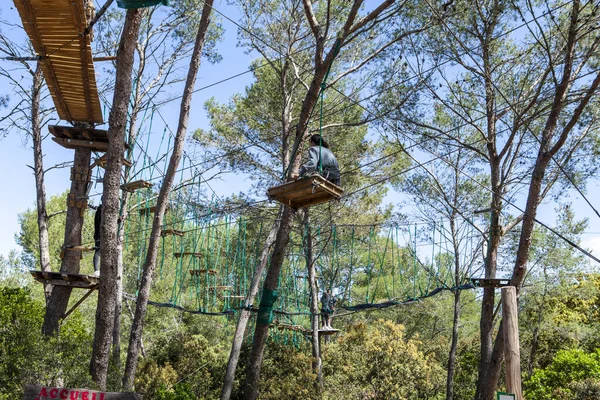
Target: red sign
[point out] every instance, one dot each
(35, 392)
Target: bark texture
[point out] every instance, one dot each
(162, 201)
(240, 329)
(261, 331)
(59, 299)
(552, 140)
(107, 293)
(38, 171)
(314, 305)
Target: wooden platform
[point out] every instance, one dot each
(71, 137)
(305, 192)
(327, 332)
(174, 232)
(55, 29)
(135, 185)
(187, 253)
(79, 248)
(203, 271)
(72, 280)
(223, 288)
(151, 210)
(494, 283)
(101, 161)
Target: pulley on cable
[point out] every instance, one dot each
(318, 180)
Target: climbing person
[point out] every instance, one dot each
(97, 223)
(332, 303)
(321, 160)
(326, 310)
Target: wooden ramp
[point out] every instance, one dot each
(55, 28)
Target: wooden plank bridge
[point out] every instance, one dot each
(56, 30)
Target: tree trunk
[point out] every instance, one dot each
(116, 331)
(453, 345)
(59, 299)
(162, 201)
(107, 293)
(116, 334)
(238, 337)
(486, 323)
(536, 329)
(261, 331)
(38, 171)
(545, 153)
(314, 305)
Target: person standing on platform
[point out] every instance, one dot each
(97, 223)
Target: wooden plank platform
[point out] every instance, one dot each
(174, 232)
(203, 271)
(494, 283)
(79, 248)
(71, 137)
(72, 280)
(150, 210)
(55, 29)
(223, 288)
(187, 253)
(327, 332)
(101, 161)
(135, 185)
(305, 192)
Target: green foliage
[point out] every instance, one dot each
(27, 357)
(182, 365)
(375, 361)
(572, 374)
(287, 373)
(28, 237)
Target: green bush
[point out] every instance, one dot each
(182, 365)
(28, 357)
(376, 362)
(572, 374)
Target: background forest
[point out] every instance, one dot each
(467, 135)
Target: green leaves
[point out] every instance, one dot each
(573, 374)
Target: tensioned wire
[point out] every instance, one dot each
(436, 66)
(372, 95)
(510, 104)
(549, 12)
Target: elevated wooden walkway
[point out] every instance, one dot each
(55, 28)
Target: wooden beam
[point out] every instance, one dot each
(75, 143)
(81, 300)
(512, 353)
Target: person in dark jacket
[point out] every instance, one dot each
(320, 156)
(97, 223)
(327, 301)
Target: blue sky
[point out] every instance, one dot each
(17, 179)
